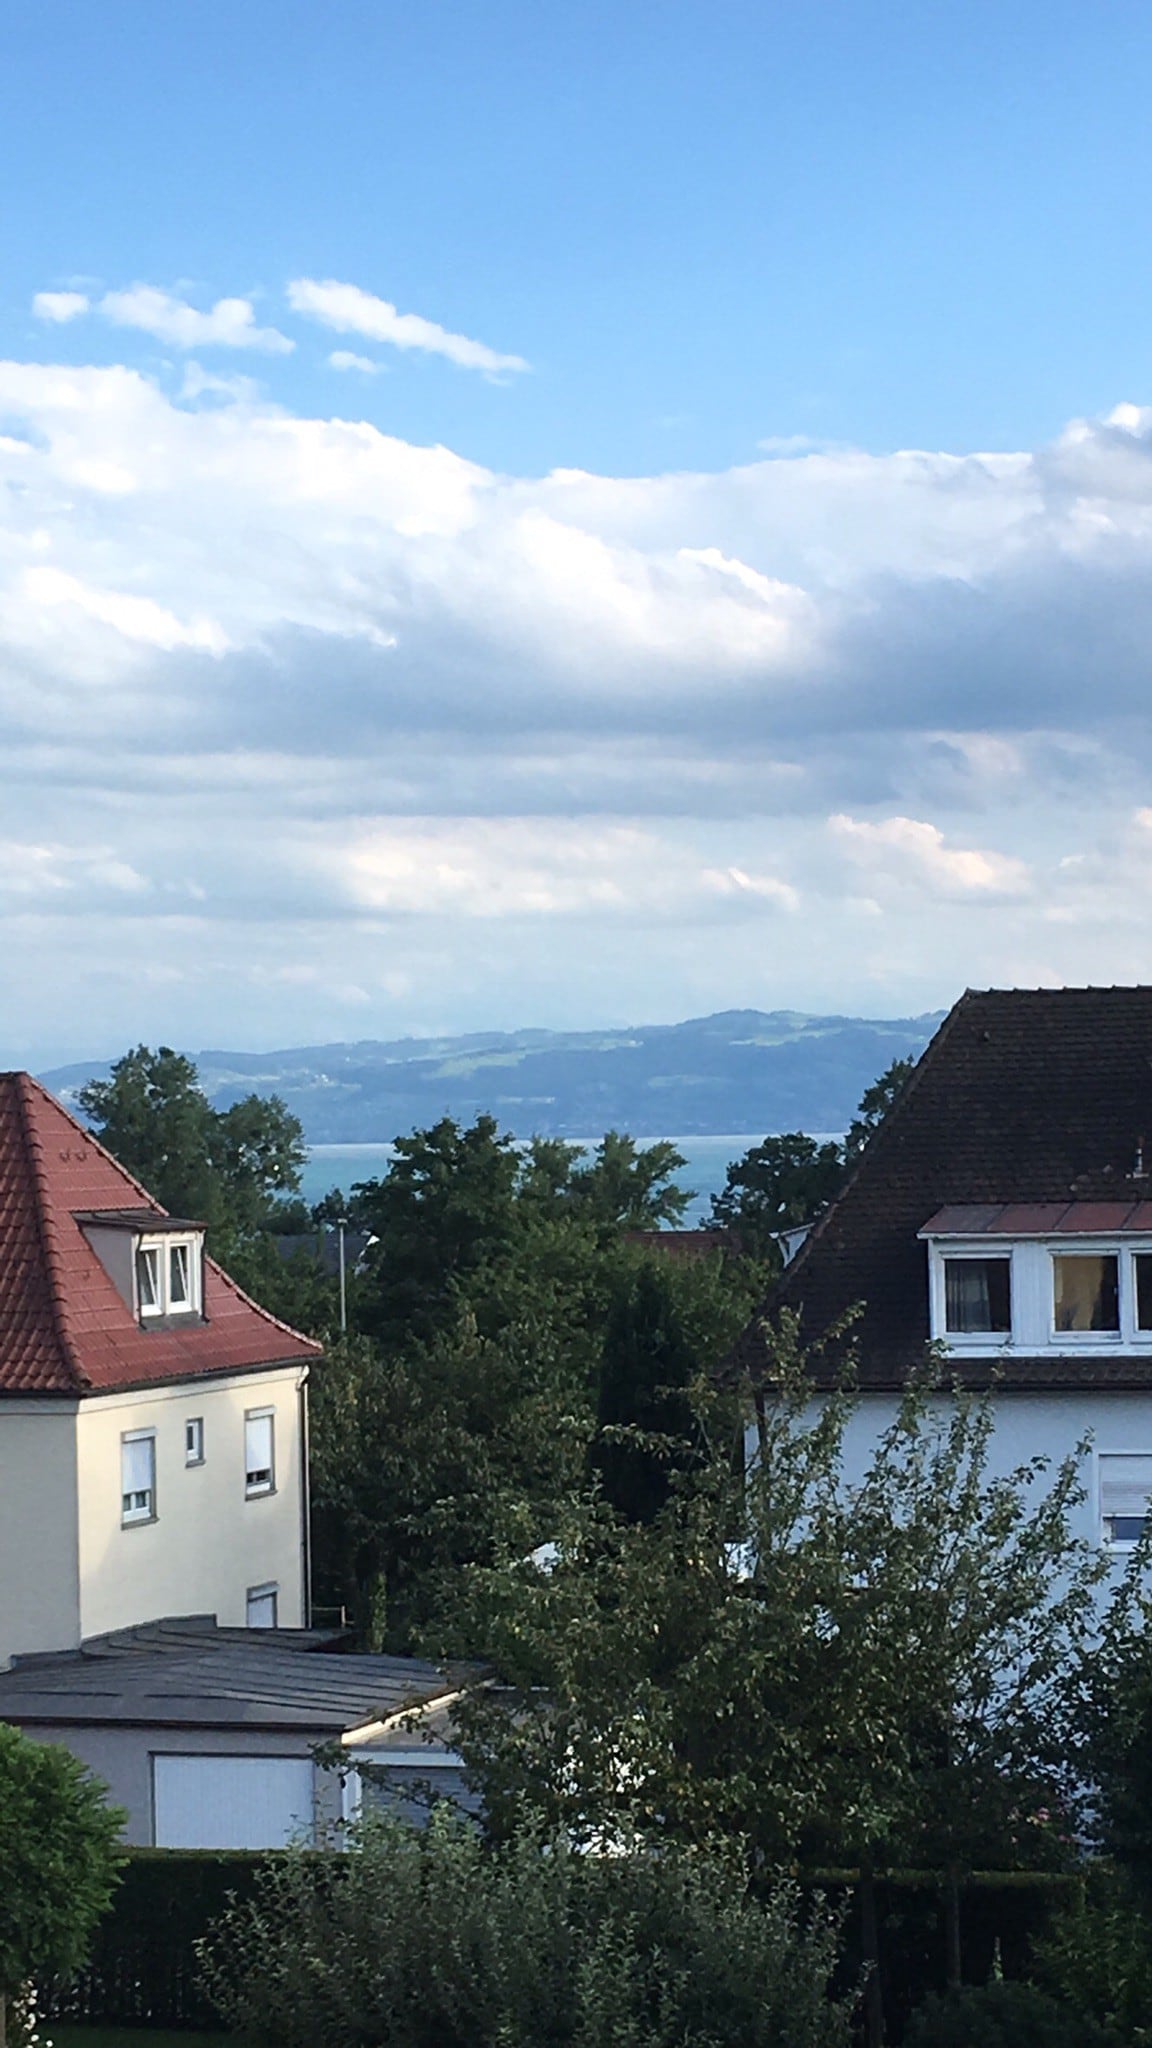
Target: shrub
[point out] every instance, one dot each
(1002, 2015)
(432, 1940)
(1097, 1956)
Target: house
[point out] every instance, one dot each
(152, 1418)
(208, 1736)
(1003, 1210)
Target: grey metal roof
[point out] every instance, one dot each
(187, 1672)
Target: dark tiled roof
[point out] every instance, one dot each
(64, 1327)
(1024, 1096)
(187, 1672)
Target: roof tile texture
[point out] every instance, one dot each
(1030, 1096)
(64, 1327)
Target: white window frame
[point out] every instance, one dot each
(940, 1251)
(982, 1338)
(194, 1440)
(1092, 1339)
(162, 1244)
(259, 1488)
(133, 1517)
(270, 1591)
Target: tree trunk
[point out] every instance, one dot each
(870, 1948)
(3, 2020)
(952, 1928)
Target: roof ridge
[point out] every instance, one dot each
(46, 1233)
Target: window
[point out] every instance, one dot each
(261, 1606)
(168, 1276)
(148, 1280)
(1125, 1489)
(977, 1295)
(259, 1459)
(1086, 1291)
(194, 1440)
(138, 1476)
(1142, 1273)
(179, 1276)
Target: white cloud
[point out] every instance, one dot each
(230, 323)
(352, 311)
(134, 618)
(347, 359)
(60, 307)
(911, 848)
(500, 749)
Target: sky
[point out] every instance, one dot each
(566, 516)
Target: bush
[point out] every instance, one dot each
(1002, 2015)
(431, 1940)
(1097, 1956)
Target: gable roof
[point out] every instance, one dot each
(64, 1326)
(1030, 1096)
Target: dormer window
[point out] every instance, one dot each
(154, 1261)
(977, 1296)
(167, 1277)
(1086, 1291)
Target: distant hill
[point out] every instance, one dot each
(740, 1071)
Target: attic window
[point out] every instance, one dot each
(167, 1276)
(1086, 1292)
(977, 1296)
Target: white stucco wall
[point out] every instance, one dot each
(122, 1759)
(208, 1544)
(39, 1579)
(1047, 1425)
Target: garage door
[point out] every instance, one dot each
(231, 1802)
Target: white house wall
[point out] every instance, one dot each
(1026, 1426)
(123, 1760)
(208, 1544)
(39, 1579)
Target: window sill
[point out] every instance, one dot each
(138, 1521)
(259, 1492)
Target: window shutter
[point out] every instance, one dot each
(137, 1464)
(1125, 1486)
(258, 1450)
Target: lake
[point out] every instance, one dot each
(338, 1166)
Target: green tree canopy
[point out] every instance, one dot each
(784, 1181)
(875, 1104)
(223, 1167)
(864, 1671)
(58, 1861)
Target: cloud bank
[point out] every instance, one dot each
(287, 703)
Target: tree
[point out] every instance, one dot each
(223, 1167)
(426, 1459)
(782, 1182)
(869, 1673)
(625, 1186)
(874, 1106)
(58, 1862)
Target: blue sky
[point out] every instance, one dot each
(568, 514)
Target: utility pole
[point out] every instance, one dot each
(341, 1221)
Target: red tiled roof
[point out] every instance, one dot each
(1040, 1219)
(64, 1327)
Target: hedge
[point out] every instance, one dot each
(143, 1970)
